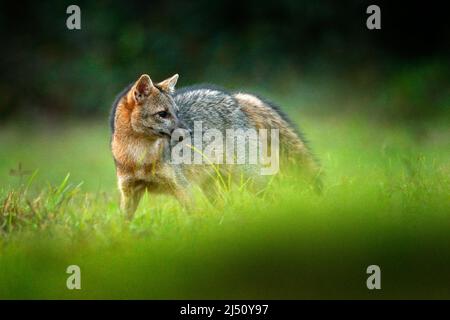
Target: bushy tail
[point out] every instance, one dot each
(265, 115)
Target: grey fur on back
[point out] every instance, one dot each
(216, 108)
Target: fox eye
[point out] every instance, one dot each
(163, 114)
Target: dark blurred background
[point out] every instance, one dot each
(320, 51)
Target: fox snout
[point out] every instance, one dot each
(176, 125)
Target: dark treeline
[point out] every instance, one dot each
(48, 69)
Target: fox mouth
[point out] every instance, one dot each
(163, 134)
(167, 134)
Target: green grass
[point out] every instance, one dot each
(385, 202)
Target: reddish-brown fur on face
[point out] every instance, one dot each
(124, 135)
(137, 125)
(138, 141)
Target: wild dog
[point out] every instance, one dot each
(142, 120)
(145, 116)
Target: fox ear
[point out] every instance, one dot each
(168, 85)
(142, 88)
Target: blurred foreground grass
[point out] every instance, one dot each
(386, 202)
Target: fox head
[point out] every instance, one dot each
(153, 109)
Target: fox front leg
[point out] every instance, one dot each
(184, 196)
(131, 194)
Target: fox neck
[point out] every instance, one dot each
(132, 149)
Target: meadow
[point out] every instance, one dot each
(385, 202)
